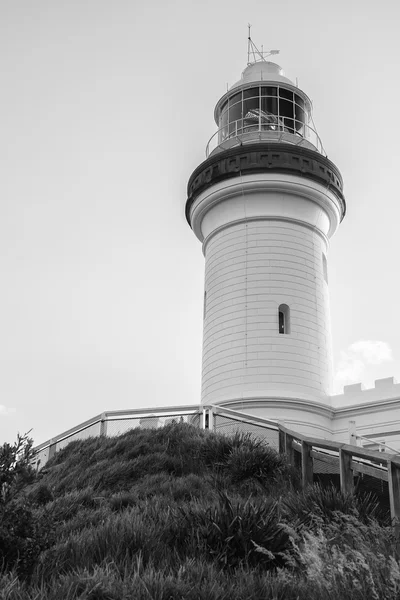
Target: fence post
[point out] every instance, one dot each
(307, 468)
(282, 436)
(204, 420)
(211, 419)
(394, 494)
(352, 433)
(346, 472)
(52, 448)
(289, 451)
(103, 425)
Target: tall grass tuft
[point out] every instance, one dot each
(234, 533)
(317, 503)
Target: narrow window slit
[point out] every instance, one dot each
(325, 267)
(284, 319)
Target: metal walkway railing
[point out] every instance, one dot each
(116, 422)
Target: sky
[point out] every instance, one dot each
(106, 109)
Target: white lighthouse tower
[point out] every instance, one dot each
(264, 204)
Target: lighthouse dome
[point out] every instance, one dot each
(262, 71)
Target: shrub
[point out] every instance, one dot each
(41, 494)
(84, 519)
(118, 536)
(122, 500)
(179, 489)
(343, 562)
(15, 466)
(22, 537)
(234, 534)
(317, 503)
(67, 506)
(260, 462)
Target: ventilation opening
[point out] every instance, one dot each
(284, 318)
(205, 305)
(325, 267)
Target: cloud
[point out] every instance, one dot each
(373, 353)
(4, 410)
(354, 361)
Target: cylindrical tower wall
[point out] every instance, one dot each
(252, 268)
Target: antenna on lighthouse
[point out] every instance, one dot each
(253, 51)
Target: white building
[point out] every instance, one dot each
(264, 205)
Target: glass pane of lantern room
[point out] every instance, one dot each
(269, 113)
(299, 114)
(286, 115)
(235, 114)
(269, 91)
(251, 111)
(251, 93)
(235, 98)
(286, 94)
(223, 123)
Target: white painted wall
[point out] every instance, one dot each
(252, 268)
(376, 412)
(310, 418)
(264, 236)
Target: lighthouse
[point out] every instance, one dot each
(264, 205)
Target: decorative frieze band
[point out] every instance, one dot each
(261, 158)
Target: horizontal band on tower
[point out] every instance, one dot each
(261, 158)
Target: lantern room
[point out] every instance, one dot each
(264, 105)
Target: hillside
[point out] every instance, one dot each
(181, 513)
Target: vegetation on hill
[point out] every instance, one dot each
(181, 513)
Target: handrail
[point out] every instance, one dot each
(346, 454)
(105, 416)
(241, 132)
(321, 443)
(362, 437)
(68, 433)
(242, 415)
(365, 453)
(309, 447)
(158, 409)
(357, 451)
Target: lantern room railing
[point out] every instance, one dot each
(239, 133)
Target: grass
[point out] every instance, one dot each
(181, 513)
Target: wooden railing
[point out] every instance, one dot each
(380, 465)
(349, 459)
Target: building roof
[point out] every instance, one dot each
(262, 71)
